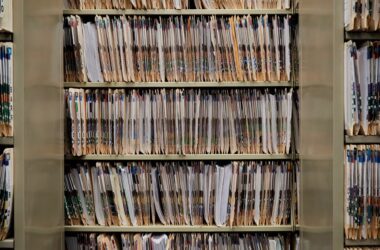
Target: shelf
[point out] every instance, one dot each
(362, 35)
(6, 36)
(362, 139)
(6, 141)
(177, 229)
(194, 157)
(363, 243)
(8, 243)
(180, 85)
(188, 12)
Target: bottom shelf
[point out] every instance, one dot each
(178, 229)
(7, 244)
(362, 243)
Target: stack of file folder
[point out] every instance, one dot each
(177, 241)
(362, 15)
(177, 121)
(362, 195)
(362, 88)
(179, 193)
(178, 4)
(6, 89)
(295, 49)
(6, 192)
(296, 121)
(178, 49)
(6, 16)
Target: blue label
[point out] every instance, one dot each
(361, 156)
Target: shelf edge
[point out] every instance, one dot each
(7, 244)
(181, 85)
(214, 157)
(6, 141)
(179, 229)
(362, 139)
(364, 243)
(197, 12)
(361, 35)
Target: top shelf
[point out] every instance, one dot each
(187, 12)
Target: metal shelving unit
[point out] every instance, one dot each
(361, 36)
(195, 157)
(7, 244)
(188, 12)
(181, 85)
(178, 229)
